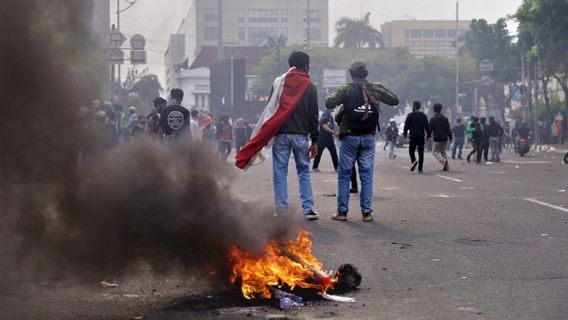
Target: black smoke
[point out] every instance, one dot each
(67, 212)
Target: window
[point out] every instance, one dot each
(258, 35)
(210, 33)
(263, 15)
(428, 33)
(210, 14)
(440, 34)
(241, 33)
(407, 34)
(242, 14)
(452, 33)
(284, 15)
(315, 34)
(416, 33)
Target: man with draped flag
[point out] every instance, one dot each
(290, 121)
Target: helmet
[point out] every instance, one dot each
(132, 108)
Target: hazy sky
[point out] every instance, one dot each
(156, 19)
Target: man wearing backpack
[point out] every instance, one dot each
(357, 133)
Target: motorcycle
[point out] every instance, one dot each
(523, 146)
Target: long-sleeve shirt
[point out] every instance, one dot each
(417, 125)
(440, 128)
(459, 131)
(342, 95)
(304, 120)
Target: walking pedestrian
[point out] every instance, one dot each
(484, 141)
(391, 135)
(194, 128)
(326, 140)
(495, 132)
(224, 137)
(442, 136)
(357, 133)
(474, 137)
(458, 132)
(291, 118)
(241, 137)
(153, 119)
(416, 127)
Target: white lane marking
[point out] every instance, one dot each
(329, 181)
(467, 188)
(390, 188)
(448, 178)
(526, 162)
(546, 204)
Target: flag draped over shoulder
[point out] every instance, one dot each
(288, 91)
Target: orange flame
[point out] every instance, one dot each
(291, 263)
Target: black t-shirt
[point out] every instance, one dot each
(326, 119)
(174, 119)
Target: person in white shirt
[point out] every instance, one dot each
(194, 126)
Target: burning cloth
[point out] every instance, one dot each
(288, 90)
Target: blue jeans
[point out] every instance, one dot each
(458, 146)
(283, 146)
(362, 150)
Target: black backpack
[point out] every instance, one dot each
(362, 109)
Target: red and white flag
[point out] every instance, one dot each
(288, 91)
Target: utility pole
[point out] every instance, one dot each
(458, 111)
(308, 24)
(118, 28)
(220, 49)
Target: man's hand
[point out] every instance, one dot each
(313, 151)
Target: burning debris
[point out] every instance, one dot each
(288, 265)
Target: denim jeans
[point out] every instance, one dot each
(391, 145)
(283, 146)
(362, 150)
(458, 146)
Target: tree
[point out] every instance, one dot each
(357, 33)
(492, 42)
(542, 27)
(143, 85)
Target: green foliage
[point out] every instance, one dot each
(357, 33)
(409, 77)
(493, 42)
(140, 89)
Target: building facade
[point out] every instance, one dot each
(424, 38)
(245, 24)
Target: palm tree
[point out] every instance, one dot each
(357, 33)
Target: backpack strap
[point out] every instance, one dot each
(372, 98)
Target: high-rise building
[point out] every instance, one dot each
(424, 38)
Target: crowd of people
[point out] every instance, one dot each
(166, 122)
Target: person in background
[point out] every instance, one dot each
(139, 130)
(208, 129)
(153, 119)
(416, 127)
(474, 137)
(131, 122)
(241, 134)
(484, 142)
(194, 126)
(442, 136)
(224, 137)
(458, 132)
(120, 123)
(495, 133)
(326, 140)
(391, 135)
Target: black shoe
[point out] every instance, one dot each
(420, 171)
(312, 215)
(353, 190)
(446, 166)
(413, 166)
(367, 217)
(453, 157)
(468, 159)
(460, 158)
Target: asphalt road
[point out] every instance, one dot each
(480, 242)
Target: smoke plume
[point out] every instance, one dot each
(70, 208)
